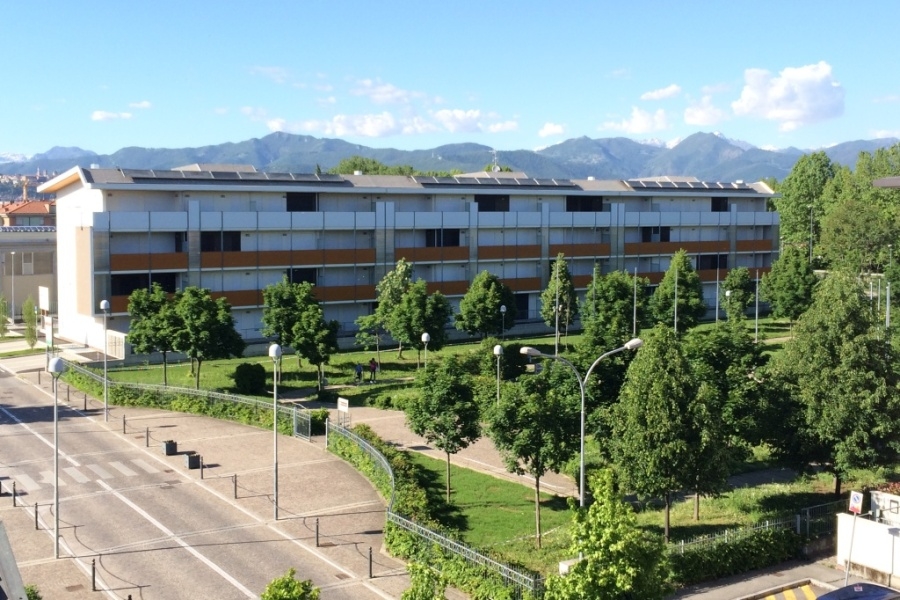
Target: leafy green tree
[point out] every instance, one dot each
(855, 234)
(788, 287)
(287, 587)
(842, 377)
(536, 427)
(737, 291)
(445, 413)
(4, 310)
(619, 559)
(390, 291)
(608, 310)
(559, 303)
(666, 435)
(30, 318)
(207, 328)
(479, 310)
(691, 307)
(418, 313)
(369, 333)
(426, 583)
(800, 206)
(280, 311)
(312, 337)
(153, 323)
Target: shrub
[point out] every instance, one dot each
(317, 420)
(249, 378)
(327, 396)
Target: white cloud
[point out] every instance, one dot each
(669, 91)
(220, 111)
(887, 99)
(621, 73)
(370, 125)
(383, 93)
(715, 88)
(254, 113)
(327, 101)
(141, 104)
(798, 96)
(503, 126)
(458, 120)
(276, 74)
(886, 133)
(104, 115)
(704, 113)
(641, 121)
(550, 129)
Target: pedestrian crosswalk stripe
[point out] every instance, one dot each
(47, 479)
(77, 475)
(122, 469)
(28, 483)
(145, 466)
(100, 471)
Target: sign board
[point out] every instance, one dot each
(44, 298)
(343, 405)
(856, 500)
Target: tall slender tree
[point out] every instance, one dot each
(788, 287)
(479, 310)
(681, 283)
(153, 323)
(559, 303)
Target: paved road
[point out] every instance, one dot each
(157, 530)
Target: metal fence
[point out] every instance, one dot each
(300, 418)
(519, 580)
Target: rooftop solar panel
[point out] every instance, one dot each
(526, 182)
(330, 177)
(279, 177)
(140, 173)
(467, 180)
(232, 175)
(487, 181)
(254, 176)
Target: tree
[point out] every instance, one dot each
(738, 291)
(800, 205)
(390, 291)
(287, 587)
(840, 374)
(608, 310)
(619, 559)
(30, 318)
(445, 413)
(689, 293)
(559, 303)
(426, 583)
(788, 287)
(666, 434)
(855, 234)
(479, 310)
(418, 313)
(153, 323)
(280, 312)
(312, 337)
(536, 427)
(4, 310)
(207, 328)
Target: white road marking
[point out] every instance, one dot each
(145, 465)
(77, 475)
(122, 469)
(100, 471)
(237, 584)
(47, 478)
(28, 483)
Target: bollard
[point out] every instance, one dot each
(147, 438)
(39, 378)
(14, 493)
(317, 532)
(234, 480)
(35, 517)
(201, 466)
(93, 575)
(68, 389)
(85, 402)
(370, 562)
(123, 423)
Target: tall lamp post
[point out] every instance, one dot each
(632, 344)
(498, 352)
(12, 308)
(275, 355)
(425, 339)
(104, 306)
(503, 321)
(56, 368)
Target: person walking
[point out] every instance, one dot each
(359, 372)
(373, 366)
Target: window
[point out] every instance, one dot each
(712, 261)
(522, 307)
(28, 263)
(167, 281)
(719, 205)
(302, 202)
(123, 285)
(492, 202)
(303, 275)
(584, 204)
(218, 241)
(654, 234)
(441, 238)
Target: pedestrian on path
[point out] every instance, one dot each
(359, 372)
(373, 366)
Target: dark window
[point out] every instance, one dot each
(302, 202)
(522, 307)
(179, 242)
(217, 241)
(720, 205)
(584, 203)
(492, 202)
(123, 285)
(654, 234)
(303, 275)
(167, 281)
(441, 238)
(712, 261)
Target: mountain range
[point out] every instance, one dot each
(706, 156)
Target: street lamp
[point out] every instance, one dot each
(275, 355)
(632, 344)
(498, 352)
(104, 306)
(425, 339)
(12, 310)
(503, 319)
(890, 256)
(756, 327)
(56, 368)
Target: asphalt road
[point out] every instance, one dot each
(155, 529)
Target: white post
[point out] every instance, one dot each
(425, 339)
(503, 321)
(498, 352)
(12, 310)
(56, 368)
(634, 307)
(104, 306)
(676, 299)
(275, 355)
(717, 293)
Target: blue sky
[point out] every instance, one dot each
(105, 75)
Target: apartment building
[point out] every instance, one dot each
(235, 230)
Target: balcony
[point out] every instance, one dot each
(670, 248)
(160, 261)
(509, 252)
(438, 254)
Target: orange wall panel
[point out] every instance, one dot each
(129, 262)
(169, 260)
(571, 250)
(669, 248)
(754, 245)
